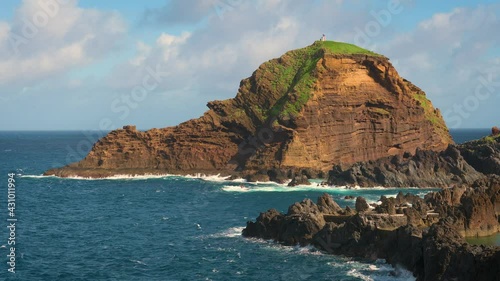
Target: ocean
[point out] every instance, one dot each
(155, 228)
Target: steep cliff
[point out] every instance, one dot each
(325, 104)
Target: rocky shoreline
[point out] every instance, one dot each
(425, 235)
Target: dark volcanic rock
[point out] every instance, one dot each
(361, 204)
(472, 211)
(414, 217)
(261, 176)
(445, 198)
(327, 205)
(424, 169)
(267, 225)
(388, 206)
(446, 256)
(299, 180)
(483, 154)
(306, 206)
(480, 218)
(277, 175)
(436, 253)
(300, 228)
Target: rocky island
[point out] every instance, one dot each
(327, 104)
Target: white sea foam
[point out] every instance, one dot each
(139, 262)
(355, 273)
(235, 188)
(214, 178)
(379, 271)
(231, 232)
(114, 177)
(211, 178)
(275, 188)
(384, 271)
(35, 176)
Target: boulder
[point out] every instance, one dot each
(495, 131)
(483, 154)
(327, 205)
(299, 180)
(261, 176)
(387, 206)
(277, 175)
(266, 226)
(361, 205)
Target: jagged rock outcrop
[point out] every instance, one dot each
(311, 108)
(495, 131)
(483, 154)
(457, 165)
(429, 242)
(327, 205)
(423, 169)
(361, 204)
(446, 256)
(299, 180)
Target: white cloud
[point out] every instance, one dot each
(421, 61)
(445, 55)
(44, 40)
(441, 54)
(441, 20)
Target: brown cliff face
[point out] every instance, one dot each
(325, 104)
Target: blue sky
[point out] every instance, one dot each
(89, 64)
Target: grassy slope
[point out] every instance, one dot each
(343, 48)
(296, 79)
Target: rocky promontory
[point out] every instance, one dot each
(461, 164)
(312, 108)
(424, 235)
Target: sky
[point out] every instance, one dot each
(100, 65)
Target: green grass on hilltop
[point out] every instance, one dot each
(492, 139)
(343, 48)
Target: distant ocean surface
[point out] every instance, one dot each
(156, 228)
(463, 135)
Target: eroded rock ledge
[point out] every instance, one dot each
(424, 235)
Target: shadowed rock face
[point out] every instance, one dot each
(483, 154)
(423, 169)
(457, 165)
(310, 108)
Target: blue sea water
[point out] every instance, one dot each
(156, 228)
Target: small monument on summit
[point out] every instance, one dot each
(323, 38)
